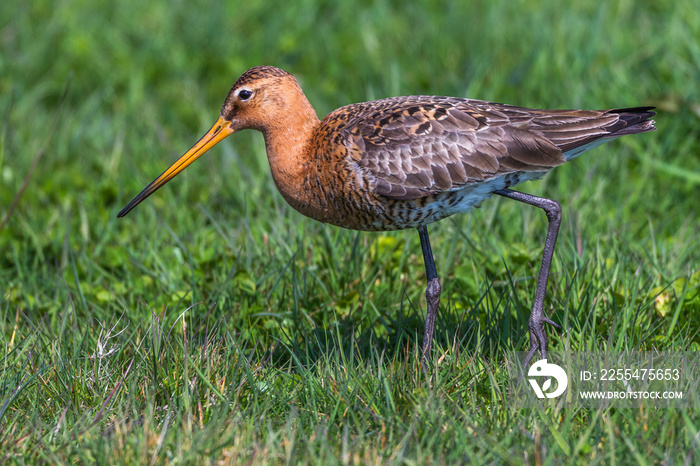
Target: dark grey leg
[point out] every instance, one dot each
(538, 337)
(432, 295)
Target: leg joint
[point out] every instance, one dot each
(434, 289)
(552, 209)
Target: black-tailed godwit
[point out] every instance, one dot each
(406, 162)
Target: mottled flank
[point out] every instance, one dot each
(401, 162)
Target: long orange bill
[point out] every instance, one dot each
(219, 131)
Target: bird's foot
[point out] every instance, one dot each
(538, 338)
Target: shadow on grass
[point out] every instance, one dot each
(488, 327)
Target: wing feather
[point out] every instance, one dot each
(415, 146)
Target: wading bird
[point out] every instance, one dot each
(406, 162)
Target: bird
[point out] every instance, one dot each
(407, 162)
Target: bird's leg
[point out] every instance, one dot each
(432, 295)
(538, 337)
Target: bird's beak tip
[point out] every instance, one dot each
(216, 134)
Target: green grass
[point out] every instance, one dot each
(215, 324)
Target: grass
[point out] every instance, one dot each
(215, 324)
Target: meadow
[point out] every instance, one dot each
(216, 325)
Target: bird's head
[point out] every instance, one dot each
(260, 99)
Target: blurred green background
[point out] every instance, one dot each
(145, 79)
(149, 78)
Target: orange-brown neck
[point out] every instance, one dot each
(287, 139)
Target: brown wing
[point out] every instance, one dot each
(419, 145)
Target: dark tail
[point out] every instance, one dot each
(632, 121)
(591, 129)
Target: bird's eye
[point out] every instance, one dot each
(245, 94)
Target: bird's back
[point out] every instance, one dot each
(416, 159)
